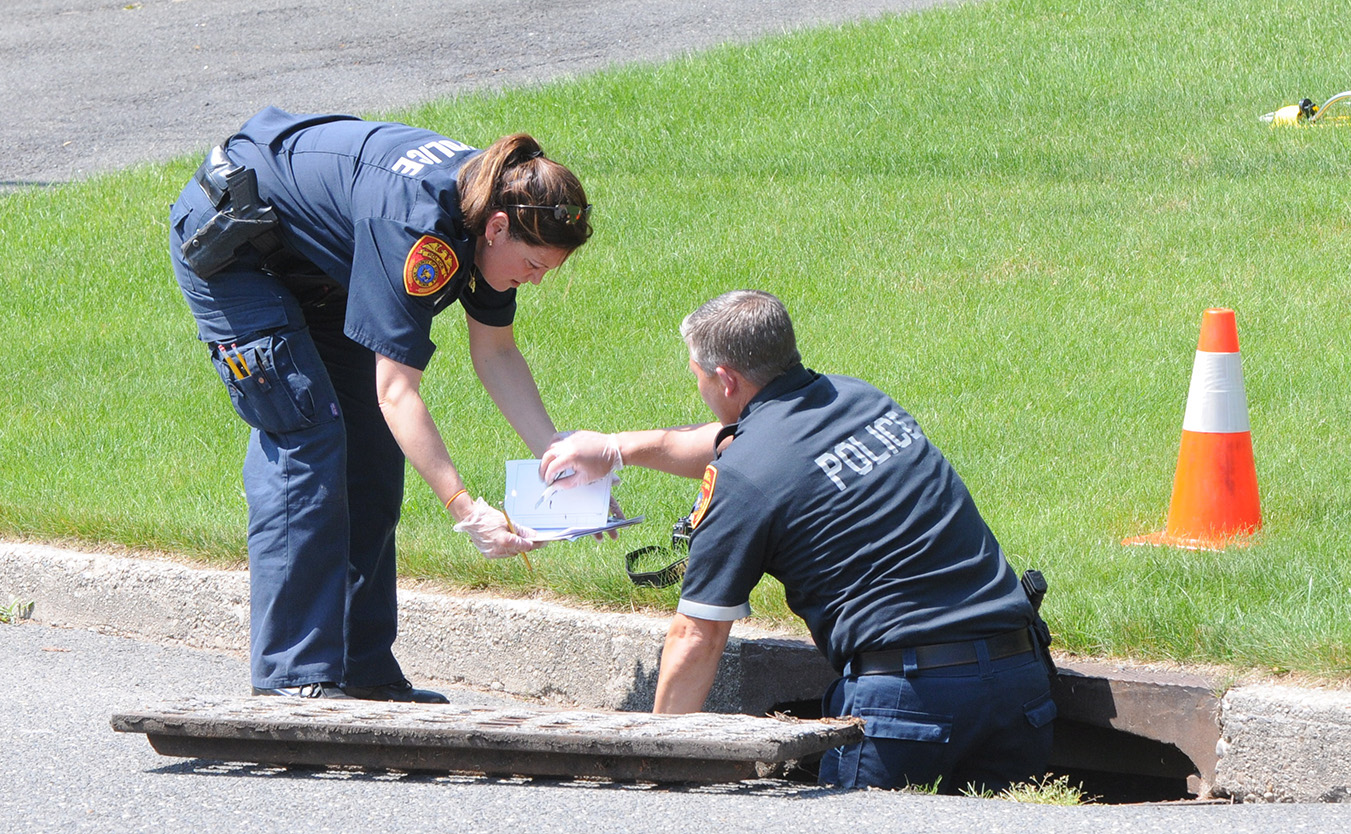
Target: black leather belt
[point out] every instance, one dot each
(940, 655)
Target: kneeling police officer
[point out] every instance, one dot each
(825, 483)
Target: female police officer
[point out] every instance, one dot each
(314, 252)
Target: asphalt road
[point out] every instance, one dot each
(95, 85)
(65, 769)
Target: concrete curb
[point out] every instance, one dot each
(527, 648)
(1282, 744)
(1271, 743)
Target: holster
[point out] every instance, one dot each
(240, 219)
(1035, 587)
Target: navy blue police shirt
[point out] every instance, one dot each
(374, 205)
(831, 487)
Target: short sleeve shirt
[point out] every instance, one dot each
(375, 205)
(832, 488)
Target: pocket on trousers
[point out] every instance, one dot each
(246, 317)
(268, 389)
(903, 725)
(1040, 711)
(178, 213)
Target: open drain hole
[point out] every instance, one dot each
(1112, 767)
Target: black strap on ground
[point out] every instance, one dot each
(677, 553)
(668, 575)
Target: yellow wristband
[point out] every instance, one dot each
(456, 495)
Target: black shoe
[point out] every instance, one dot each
(323, 689)
(400, 690)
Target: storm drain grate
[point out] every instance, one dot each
(527, 741)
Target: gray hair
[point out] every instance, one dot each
(747, 331)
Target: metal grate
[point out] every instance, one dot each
(702, 747)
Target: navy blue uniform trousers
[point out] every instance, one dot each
(323, 475)
(986, 724)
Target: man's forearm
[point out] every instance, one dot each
(684, 450)
(689, 663)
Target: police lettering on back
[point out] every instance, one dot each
(413, 161)
(889, 435)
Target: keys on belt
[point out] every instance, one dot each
(940, 655)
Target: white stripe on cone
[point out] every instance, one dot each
(1216, 402)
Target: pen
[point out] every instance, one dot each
(511, 528)
(550, 489)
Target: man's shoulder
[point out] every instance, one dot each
(827, 398)
(853, 392)
(760, 463)
(853, 384)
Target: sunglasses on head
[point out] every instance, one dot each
(563, 212)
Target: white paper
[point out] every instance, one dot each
(562, 513)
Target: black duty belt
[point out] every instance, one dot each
(940, 655)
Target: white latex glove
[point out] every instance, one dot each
(487, 529)
(579, 457)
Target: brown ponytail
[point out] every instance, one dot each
(512, 172)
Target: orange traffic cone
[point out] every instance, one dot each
(1215, 489)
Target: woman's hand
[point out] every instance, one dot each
(493, 534)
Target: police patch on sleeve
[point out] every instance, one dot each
(430, 265)
(705, 496)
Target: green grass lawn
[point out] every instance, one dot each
(1010, 215)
